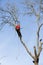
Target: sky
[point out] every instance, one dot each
(12, 51)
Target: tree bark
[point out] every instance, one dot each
(35, 63)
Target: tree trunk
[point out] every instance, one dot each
(35, 63)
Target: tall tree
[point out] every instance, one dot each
(9, 16)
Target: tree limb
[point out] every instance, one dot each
(39, 51)
(35, 52)
(5, 22)
(27, 49)
(9, 13)
(40, 48)
(39, 29)
(38, 33)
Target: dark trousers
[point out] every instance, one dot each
(19, 33)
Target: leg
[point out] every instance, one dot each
(19, 33)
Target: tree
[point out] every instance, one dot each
(9, 14)
(31, 9)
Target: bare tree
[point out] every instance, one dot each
(30, 9)
(10, 14)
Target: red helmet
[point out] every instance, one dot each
(18, 26)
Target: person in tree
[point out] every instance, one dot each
(17, 27)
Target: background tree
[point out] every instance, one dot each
(9, 14)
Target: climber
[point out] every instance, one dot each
(17, 27)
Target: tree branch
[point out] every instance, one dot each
(5, 22)
(40, 48)
(27, 49)
(10, 14)
(30, 6)
(39, 51)
(39, 29)
(14, 18)
(38, 33)
(35, 52)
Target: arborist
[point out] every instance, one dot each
(17, 27)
